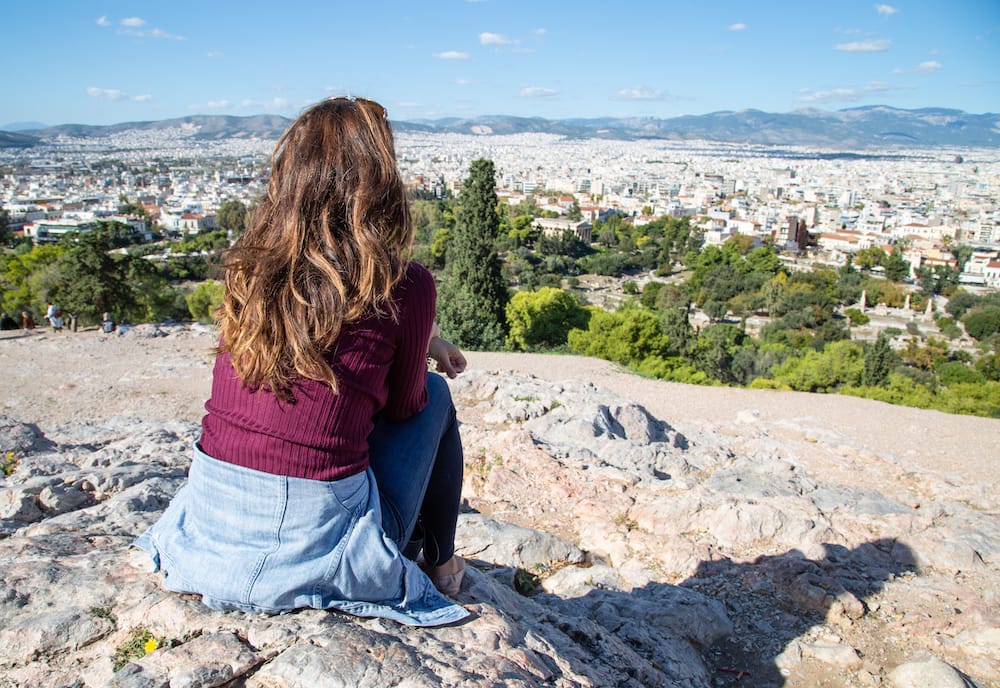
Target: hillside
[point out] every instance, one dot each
(870, 127)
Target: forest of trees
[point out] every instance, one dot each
(504, 284)
(806, 344)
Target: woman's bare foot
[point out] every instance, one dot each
(447, 577)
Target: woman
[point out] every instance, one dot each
(327, 449)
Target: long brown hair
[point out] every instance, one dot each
(326, 245)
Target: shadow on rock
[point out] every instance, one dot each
(774, 601)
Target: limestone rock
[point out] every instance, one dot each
(929, 673)
(606, 547)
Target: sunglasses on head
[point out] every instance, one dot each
(370, 105)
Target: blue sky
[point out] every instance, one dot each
(104, 61)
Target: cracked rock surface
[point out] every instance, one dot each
(618, 534)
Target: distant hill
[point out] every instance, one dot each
(853, 128)
(211, 127)
(11, 139)
(22, 126)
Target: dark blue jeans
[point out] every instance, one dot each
(418, 466)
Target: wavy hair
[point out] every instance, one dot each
(325, 246)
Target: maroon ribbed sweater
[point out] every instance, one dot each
(381, 367)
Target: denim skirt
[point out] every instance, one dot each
(252, 541)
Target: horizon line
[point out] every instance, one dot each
(43, 125)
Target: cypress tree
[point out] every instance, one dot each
(879, 360)
(473, 297)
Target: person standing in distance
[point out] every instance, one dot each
(329, 461)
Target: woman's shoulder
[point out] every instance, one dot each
(417, 277)
(415, 270)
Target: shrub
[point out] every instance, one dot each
(856, 316)
(840, 363)
(627, 337)
(205, 300)
(954, 373)
(982, 322)
(768, 383)
(543, 318)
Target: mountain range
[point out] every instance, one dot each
(875, 126)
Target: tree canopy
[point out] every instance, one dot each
(473, 299)
(543, 318)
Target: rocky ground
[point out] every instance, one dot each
(621, 531)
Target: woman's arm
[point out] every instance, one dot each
(407, 378)
(448, 357)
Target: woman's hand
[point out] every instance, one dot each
(448, 357)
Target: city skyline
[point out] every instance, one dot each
(104, 63)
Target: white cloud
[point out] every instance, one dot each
(217, 104)
(452, 55)
(106, 93)
(133, 27)
(886, 10)
(116, 95)
(926, 67)
(537, 92)
(462, 81)
(738, 26)
(272, 104)
(540, 31)
(487, 38)
(215, 54)
(639, 94)
(844, 95)
(879, 46)
(160, 33)
(103, 21)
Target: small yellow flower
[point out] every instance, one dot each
(10, 456)
(151, 645)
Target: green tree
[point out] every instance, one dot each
(127, 207)
(90, 280)
(840, 363)
(473, 302)
(870, 257)
(650, 292)
(439, 246)
(960, 302)
(155, 299)
(714, 349)
(879, 360)
(5, 235)
(574, 212)
(205, 300)
(764, 259)
(233, 217)
(937, 280)
(962, 253)
(982, 322)
(543, 318)
(856, 316)
(896, 268)
(25, 275)
(628, 336)
(522, 231)
(608, 263)
(957, 373)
